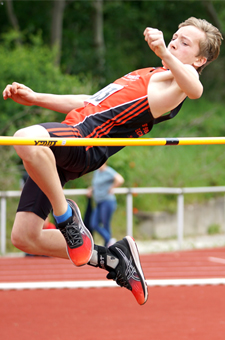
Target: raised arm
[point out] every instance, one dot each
(23, 95)
(185, 75)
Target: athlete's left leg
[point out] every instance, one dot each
(28, 235)
(40, 163)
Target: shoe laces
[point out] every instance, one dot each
(121, 281)
(119, 278)
(72, 234)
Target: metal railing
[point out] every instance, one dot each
(129, 192)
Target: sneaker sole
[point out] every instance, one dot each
(74, 254)
(135, 254)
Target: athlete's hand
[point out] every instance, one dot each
(155, 41)
(20, 94)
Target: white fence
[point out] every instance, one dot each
(129, 192)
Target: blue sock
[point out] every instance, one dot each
(64, 217)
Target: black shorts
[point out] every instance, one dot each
(71, 161)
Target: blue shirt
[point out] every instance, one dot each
(101, 183)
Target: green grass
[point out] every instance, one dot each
(214, 229)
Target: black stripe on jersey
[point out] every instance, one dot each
(126, 113)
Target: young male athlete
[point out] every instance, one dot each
(129, 107)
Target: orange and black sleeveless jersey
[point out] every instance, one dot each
(120, 110)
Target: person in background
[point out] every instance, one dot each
(104, 181)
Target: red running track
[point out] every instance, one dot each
(206, 263)
(171, 313)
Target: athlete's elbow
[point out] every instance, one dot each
(196, 94)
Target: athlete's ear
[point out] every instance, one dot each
(200, 61)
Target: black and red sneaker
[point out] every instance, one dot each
(128, 273)
(79, 240)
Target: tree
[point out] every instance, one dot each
(98, 38)
(57, 28)
(13, 19)
(11, 15)
(213, 15)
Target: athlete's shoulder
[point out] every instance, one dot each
(139, 72)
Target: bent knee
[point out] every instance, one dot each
(24, 238)
(27, 152)
(19, 240)
(32, 131)
(26, 230)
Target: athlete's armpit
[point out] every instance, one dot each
(164, 96)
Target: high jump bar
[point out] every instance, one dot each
(7, 140)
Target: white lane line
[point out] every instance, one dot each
(216, 259)
(102, 284)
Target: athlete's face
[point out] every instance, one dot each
(185, 45)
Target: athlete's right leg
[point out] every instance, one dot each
(122, 262)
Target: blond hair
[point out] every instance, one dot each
(210, 46)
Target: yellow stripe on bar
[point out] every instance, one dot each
(111, 141)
